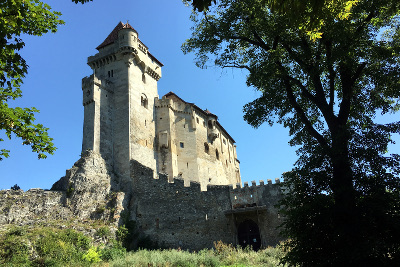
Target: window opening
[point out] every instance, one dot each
(206, 148)
(216, 153)
(210, 124)
(181, 144)
(143, 100)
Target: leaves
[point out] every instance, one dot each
(327, 91)
(19, 17)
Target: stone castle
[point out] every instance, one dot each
(166, 162)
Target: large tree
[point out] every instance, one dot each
(342, 202)
(20, 17)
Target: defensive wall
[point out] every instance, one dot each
(179, 215)
(170, 213)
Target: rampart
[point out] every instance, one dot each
(170, 213)
(184, 216)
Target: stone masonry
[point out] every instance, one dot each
(166, 162)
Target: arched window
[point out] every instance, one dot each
(206, 148)
(210, 125)
(216, 153)
(143, 100)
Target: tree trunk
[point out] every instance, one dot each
(345, 211)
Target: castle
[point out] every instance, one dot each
(124, 119)
(167, 163)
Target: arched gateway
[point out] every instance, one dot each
(249, 235)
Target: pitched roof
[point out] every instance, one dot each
(205, 112)
(114, 34)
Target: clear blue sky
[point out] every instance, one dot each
(58, 63)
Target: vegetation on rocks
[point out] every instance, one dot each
(49, 246)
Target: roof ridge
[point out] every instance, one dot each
(114, 34)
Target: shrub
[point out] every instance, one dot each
(100, 209)
(70, 190)
(92, 255)
(113, 251)
(14, 248)
(103, 231)
(15, 187)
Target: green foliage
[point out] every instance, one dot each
(100, 209)
(327, 91)
(70, 190)
(14, 248)
(92, 255)
(103, 231)
(62, 246)
(20, 17)
(225, 255)
(113, 251)
(43, 246)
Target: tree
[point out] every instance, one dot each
(342, 201)
(16, 18)
(15, 187)
(308, 15)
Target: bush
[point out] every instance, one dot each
(103, 231)
(15, 187)
(63, 246)
(92, 255)
(113, 251)
(15, 248)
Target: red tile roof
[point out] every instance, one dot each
(114, 34)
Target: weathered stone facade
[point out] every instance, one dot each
(167, 163)
(125, 120)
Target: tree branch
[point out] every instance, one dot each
(236, 66)
(303, 117)
(332, 74)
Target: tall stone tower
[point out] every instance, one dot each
(118, 100)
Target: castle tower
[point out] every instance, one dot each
(118, 100)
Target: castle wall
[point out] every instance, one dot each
(178, 216)
(172, 214)
(182, 216)
(184, 154)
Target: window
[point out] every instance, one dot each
(210, 124)
(143, 100)
(224, 141)
(216, 153)
(143, 78)
(181, 144)
(206, 148)
(197, 119)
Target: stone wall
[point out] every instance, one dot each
(82, 195)
(170, 213)
(182, 216)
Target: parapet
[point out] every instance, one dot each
(255, 195)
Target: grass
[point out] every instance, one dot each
(225, 255)
(49, 246)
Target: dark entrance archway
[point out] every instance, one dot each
(249, 235)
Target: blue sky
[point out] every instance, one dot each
(58, 63)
